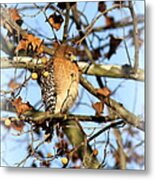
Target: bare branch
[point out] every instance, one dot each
(90, 27)
(65, 33)
(135, 35)
(112, 125)
(129, 117)
(6, 45)
(122, 156)
(119, 24)
(112, 71)
(40, 117)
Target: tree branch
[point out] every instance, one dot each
(122, 162)
(90, 27)
(65, 32)
(135, 35)
(38, 117)
(6, 45)
(6, 17)
(128, 117)
(112, 71)
(119, 24)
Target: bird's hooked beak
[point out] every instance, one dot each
(73, 57)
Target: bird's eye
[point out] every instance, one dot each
(69, 54)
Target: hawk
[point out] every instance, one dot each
(60, 88)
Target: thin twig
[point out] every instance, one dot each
(112, 125)
(65, 33)
(90, 27)
(135, 35)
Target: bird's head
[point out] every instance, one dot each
(66, 52)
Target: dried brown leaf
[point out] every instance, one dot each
(14, 14)
(13, 84)
(96, 54)
(62, 5)
(104, 91)
(55, 21)
(18, 125)
(114, 43)
(98, 107)
(101, 6)
(20, 106)
(30, 43)
(109, 21)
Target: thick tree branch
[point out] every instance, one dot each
(128, 117)
(98, 70)
(112, 71)
(38, 117)
(73, 130)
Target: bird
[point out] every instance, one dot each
(60, 88)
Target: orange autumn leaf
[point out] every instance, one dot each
(104, 91)
(15, 16)
(35, 42)
(55, 21)
(13, 84)
(98, 107)
(109, 20)
(22, 45)
(30, 43)
(20, 106)
(95, 152)
(17, 125)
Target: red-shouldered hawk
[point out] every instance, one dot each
(60, 87)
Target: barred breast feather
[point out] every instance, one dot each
(48, 89)
(60, 88)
